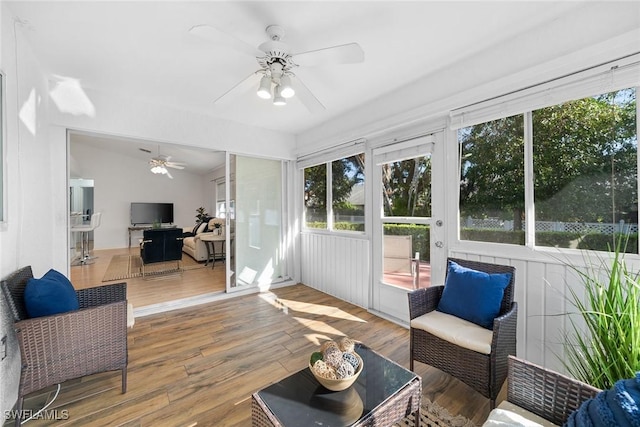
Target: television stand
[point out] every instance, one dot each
(137, 228)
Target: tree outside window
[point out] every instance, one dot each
(585, 169)
(347, 191)
(406, 187)
(492, 181)
(346, 194)
(315, 196)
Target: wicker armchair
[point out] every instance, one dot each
(544, 392)
(485, 373)
(69, 345)
(161, 245)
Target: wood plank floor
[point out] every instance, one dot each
(152, 289)
(200, 365)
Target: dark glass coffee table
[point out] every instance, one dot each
(383, 394)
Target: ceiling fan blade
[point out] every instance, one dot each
(219, 37)
(169, 175)
(175, 165)
(251, 80)
(350, 53)
(306, 97)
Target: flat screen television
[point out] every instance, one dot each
(150, 213)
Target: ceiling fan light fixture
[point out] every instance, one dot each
(264, 91)
(286, 90)
(278, 99)
(159, 170)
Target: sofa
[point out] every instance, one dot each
(191, 243)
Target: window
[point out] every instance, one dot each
(347, 193)
(585, 168)
(585, 184)
(492, 181)
(345, 196)
(221, 199)
(406, 212)
(315, 196)
(406, 187)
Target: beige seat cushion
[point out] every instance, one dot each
(131, 319)
(508, 414)
(455, 330)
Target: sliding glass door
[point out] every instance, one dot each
(255, 195)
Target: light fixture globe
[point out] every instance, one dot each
(278, 99)
(287, 90)
(159, 170)
(264, 91)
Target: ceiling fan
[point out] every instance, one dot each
(275, 78)
(161, 162)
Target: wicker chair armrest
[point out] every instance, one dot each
(422, 301)
(503, 344)
(504, 327)
(99, 295)
(544, 392)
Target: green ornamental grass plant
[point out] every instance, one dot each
(609, 348)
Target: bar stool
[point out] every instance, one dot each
(85, 230)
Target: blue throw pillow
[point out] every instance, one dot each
(51, 294)
(473, 295)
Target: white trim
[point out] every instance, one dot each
(3, 152)
(529, 200)
(337, 152)
(409, 149)
(603, 78)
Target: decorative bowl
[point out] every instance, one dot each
(341, 384)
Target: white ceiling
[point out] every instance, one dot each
(144, 49)
(198, 161)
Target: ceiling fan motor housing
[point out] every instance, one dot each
(277, 59)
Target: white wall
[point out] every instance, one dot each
(120, 180)
(336, 265)
(32, 234)
(36, 232)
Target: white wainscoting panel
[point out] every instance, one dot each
(542, 293)
(336, 265)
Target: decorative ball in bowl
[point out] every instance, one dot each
(336, 366)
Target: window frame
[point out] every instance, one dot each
(330, 229)
(529, 208)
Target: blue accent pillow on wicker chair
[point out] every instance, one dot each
(51, 294)
(473, 295)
